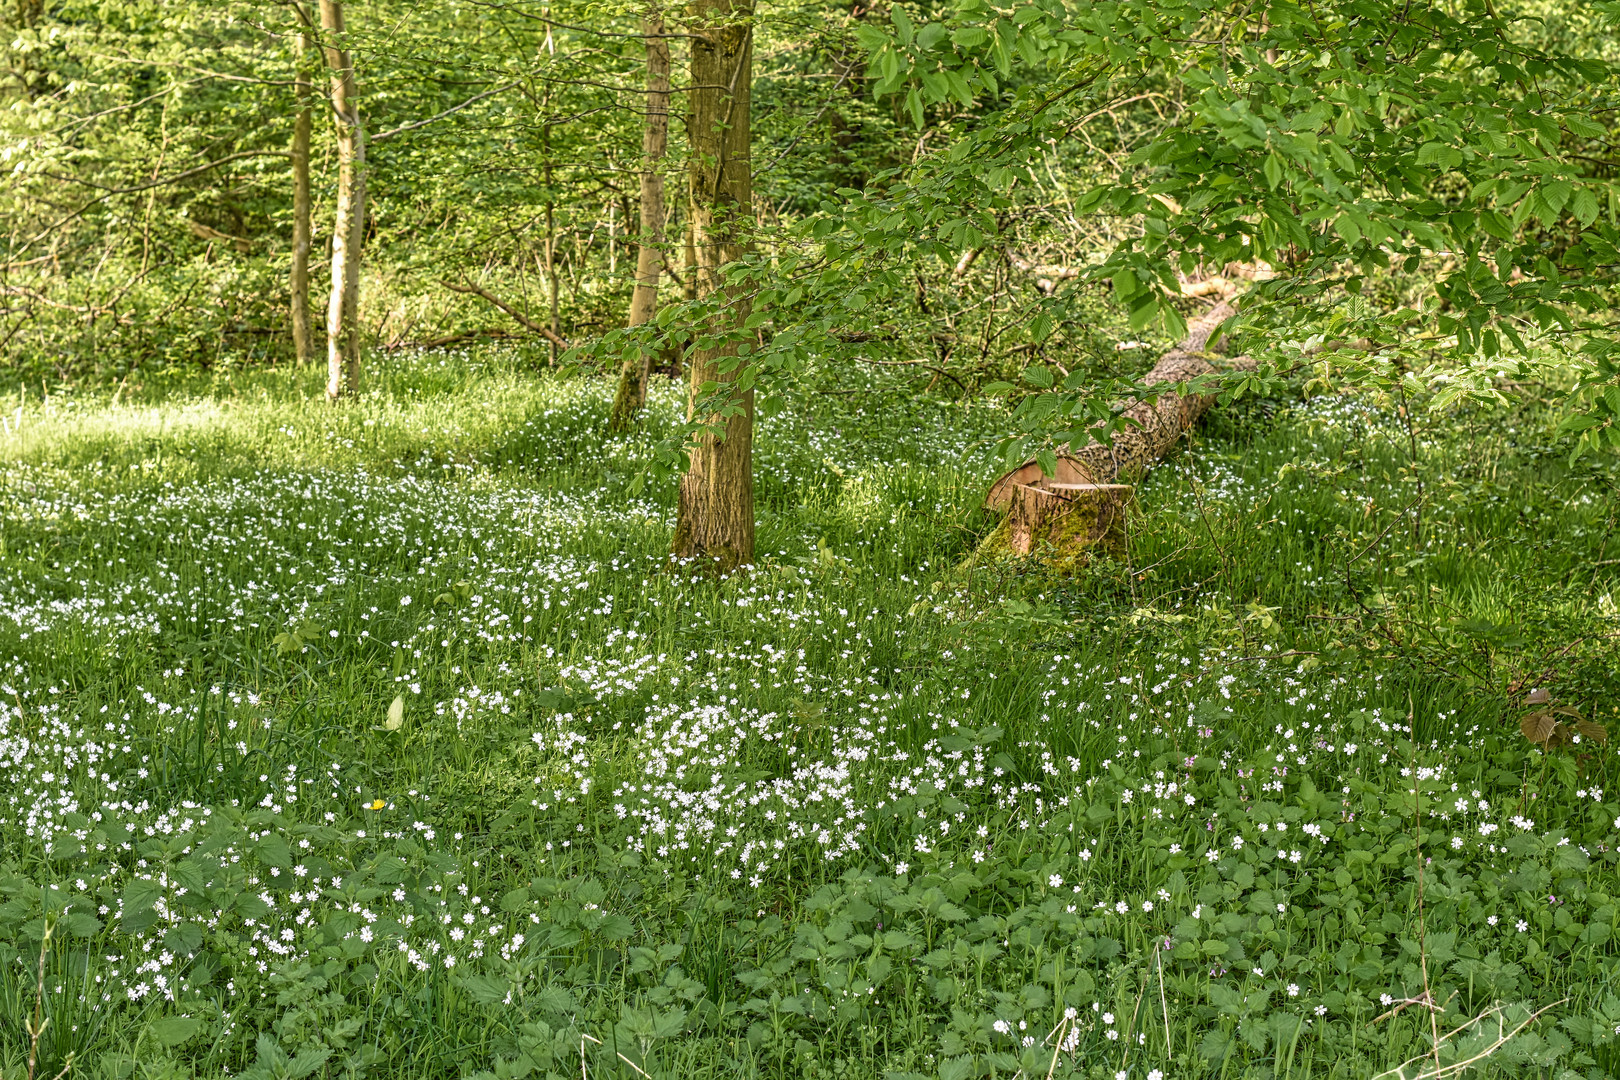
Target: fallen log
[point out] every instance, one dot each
(1083, 504)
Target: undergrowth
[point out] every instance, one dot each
(382, 741)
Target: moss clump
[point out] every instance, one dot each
(1062, 541)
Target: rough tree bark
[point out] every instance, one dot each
(631, 395)
(1083, 503)
(715, 513)
(689, 261)
(303, 91)
(348, 229)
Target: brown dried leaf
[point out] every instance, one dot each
(1538, 696)
(1593, 731)
(1538, 727)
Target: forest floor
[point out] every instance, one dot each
(1254, 801)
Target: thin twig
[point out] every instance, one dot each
(413, 125)
(1459, 1067)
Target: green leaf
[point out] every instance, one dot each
(485, 989)
(1557, 194)
(1584, 206)
(914, 106)
(1145, 312)
(1433, 153)
(959, 88)
(1273, 169)
(1216, 1045)
(902, 24)
(1040, 327)
(273, 851)
(174, 1030)
(1583, 126)
(81, 924)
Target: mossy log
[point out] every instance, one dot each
(1083, 504)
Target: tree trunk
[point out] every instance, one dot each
(689, 259)
(631, 396)
(1065, 522)
(24, 15)
(303, 91)
(343, 307)
(715, 515)
(551, 222)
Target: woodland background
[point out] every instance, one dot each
(355, 719)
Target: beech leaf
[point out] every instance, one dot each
(1538, 726)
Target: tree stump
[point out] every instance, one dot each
(1062, 524)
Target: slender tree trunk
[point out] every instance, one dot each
(343, 307)
(24, 15)
(632, 392)
(689, 259)
(551, 223)
(303, 90)
(715, 514)
(674, 351)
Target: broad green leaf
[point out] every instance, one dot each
(902, 24)
(396, 714)
(1274, 171)
(174, 1030)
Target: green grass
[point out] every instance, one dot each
(855, 813)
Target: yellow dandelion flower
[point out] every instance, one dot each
(376, 804)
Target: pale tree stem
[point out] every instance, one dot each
(303, 91)
(343, 306)
(631, 396)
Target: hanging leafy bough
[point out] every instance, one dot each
(1061, 506)
(1437, 155)
(1351, 144)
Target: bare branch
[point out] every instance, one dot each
(413, 125)
(529, 324)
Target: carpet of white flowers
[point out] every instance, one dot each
(388, 743)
